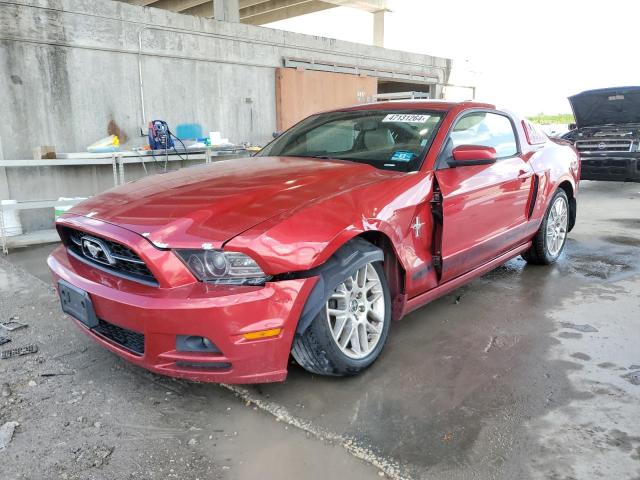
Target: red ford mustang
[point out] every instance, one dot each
(344, 223)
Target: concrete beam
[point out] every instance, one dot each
(202, 10)
(251, 3)
(179, 5)
(260, 15)
(142, 3)
(256, 12)
(371, 6)
(271, 6)
(182, 5)
(201, 7)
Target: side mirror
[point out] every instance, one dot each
(276, 134)
(572, 126)
(466, 155)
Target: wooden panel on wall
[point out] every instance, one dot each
(299, 93)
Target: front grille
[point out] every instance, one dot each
(127, 339)
(612, 168)
(118, 259)
(604, 145)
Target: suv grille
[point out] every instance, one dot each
(127, 339)
(604, 145)
(109, 255)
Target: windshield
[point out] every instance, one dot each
(386, 139)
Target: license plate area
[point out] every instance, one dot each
(77, 303)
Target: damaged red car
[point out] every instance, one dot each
(312, 248)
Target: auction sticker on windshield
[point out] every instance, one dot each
(406, 118)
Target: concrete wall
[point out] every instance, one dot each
(69, 69)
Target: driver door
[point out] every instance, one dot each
(484, 207)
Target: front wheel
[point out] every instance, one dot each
(549, 241)
(349, 332)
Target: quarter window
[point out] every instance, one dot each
(486, 129)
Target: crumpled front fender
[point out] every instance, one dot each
(353, 255)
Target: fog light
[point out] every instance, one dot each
(273, 332)
(194, 343)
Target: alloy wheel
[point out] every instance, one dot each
(356, 312)
(557, 224)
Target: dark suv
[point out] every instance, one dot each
(607, 133)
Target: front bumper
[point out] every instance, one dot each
(220, 313)
(621, 167)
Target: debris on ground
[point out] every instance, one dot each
(17, 352)
(458, 298)
(6, 434)
(13, 324)
(490, 345)
(633, 377)
(95, 457)
(55, 374)
(586, 328)
(5, 390)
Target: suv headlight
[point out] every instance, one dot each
(218, 266)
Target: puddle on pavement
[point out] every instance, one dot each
(597, 266)
(593, 261)
(585, 260)
(623, 240)
(586, 438)
(627, 222)
(513, 268)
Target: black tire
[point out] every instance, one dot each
(539, 253)
(317, 352)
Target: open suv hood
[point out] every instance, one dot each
(214, 203)
(617, 105)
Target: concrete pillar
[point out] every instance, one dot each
(436, 91)
(378, 28)
(227, 10)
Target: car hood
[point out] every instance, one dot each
(214, 203)
(619, 105)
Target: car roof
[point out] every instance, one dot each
(419, 105)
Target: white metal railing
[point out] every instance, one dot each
(117, 160)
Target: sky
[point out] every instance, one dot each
(525, 56)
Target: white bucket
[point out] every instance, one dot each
(12, 226)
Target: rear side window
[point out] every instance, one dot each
(535, 136)
(486, 129)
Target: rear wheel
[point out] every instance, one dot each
(550, 239)
(350, 331)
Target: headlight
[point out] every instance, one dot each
(218, 266)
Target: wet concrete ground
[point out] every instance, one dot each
(527, 372)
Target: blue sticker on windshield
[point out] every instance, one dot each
(402, 156)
